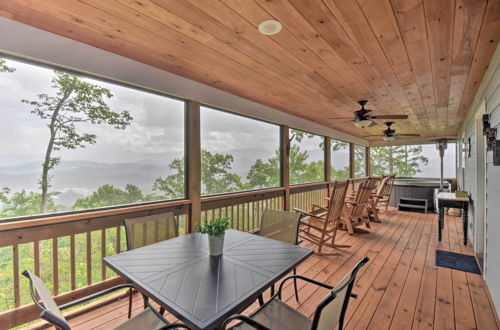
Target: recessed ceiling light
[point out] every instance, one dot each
(269, 27)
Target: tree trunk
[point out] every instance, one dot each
(46, 166)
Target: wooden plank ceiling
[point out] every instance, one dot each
(424, 58)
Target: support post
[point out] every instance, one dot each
(285, 164)
(368, 162)
(352, 169)
(328, 162)
(193, 161)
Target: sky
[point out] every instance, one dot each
(156, 134)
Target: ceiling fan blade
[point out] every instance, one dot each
(409, 135)
(389, 117)
(340, 118)
(373, 124)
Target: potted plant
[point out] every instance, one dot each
(215, 229)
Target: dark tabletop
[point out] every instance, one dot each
(202, 290)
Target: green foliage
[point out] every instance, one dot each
(4, 67)
(264, 174)
(75, 102)
(216, 176)
(23, 203)
(108, 195)
(215, 227)
(403, 161)
(173, 185)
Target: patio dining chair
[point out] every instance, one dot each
(149, 318)
(275, 314)
(148, 230)
(320, 225)
(282, 226)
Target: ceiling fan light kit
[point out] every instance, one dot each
(363, 123)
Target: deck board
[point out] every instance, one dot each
(399, 288)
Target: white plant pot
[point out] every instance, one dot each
(215, 245)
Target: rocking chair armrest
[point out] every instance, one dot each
(245, 319)
(308, 214)
(317, 207)
(352, 203)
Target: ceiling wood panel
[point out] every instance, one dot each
(424, 58)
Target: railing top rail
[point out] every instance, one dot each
(49, 220)
(266, 191)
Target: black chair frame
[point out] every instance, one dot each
(323, 303)
(62, 324)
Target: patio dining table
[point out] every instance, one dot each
(202, 290)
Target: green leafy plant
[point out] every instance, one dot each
(215, 227)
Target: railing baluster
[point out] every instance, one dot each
(103, 253)
(118, 240)
(144, 233)
(232, 216)
(55, 266)
(36, 257)
(72, 258)
(15, 273)
(89, 258)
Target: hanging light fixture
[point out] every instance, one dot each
(389, 138)
(269, 27)
(363, 123)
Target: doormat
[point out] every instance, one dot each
(464, 262)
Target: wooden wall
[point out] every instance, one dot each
(489, 95)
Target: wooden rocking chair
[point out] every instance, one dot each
(324, 221)
(357, 211)
(383, 202)
(374, 210)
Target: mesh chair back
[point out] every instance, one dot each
(337, 199)
(280, 225)
(150, 229)
(331, 310)
(37, 287)
(363, 196)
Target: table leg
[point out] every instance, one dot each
(465, 217)
(440, 221)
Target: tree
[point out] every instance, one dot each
(108, 195)
(25, 203)
(265, 174)
(216, 176)
(4, 67)
(403, 161)
(76, 102)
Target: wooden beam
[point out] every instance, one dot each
(352, 168)
(285, 166)
(193, 161)
(328, 159)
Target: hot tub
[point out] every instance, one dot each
(421, 188)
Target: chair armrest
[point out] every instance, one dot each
(308, 214)
(95, 295)
(175, 326)
(245, 319)
(300, 277)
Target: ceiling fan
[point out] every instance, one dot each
(363, 119)
(390, 134)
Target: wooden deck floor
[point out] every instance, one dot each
(400, 287)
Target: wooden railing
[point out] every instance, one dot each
(67, 250)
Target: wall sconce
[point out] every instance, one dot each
(492, 144)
